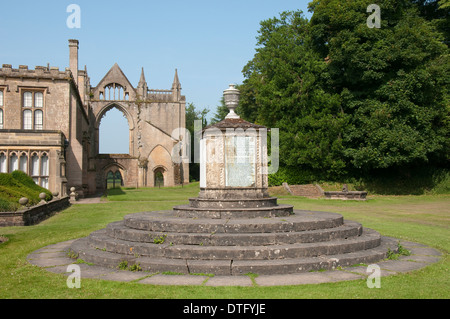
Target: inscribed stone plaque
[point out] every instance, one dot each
(240, 162)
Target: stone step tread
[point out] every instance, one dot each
(120, 231)
(234, 267)
(170, 222)
(265, 267)
(232, 199)
(100, 240)
(218, 209)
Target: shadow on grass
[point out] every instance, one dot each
(115, 191)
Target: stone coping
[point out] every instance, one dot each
(35, 214)
(54, 259)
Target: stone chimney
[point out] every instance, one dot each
(73, 58)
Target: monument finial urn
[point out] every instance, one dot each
(231, 97)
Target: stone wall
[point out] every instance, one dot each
(35, 214)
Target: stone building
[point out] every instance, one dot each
(50, 119)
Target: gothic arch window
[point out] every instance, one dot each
(44, 170)
(35, 167)
(13, 162)
(159, 177)
(114, 92)
(23, 163)
(3, 163)
(114, 125)
(114, 180)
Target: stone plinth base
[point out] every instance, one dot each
(233, 236)
(353, 195)
(233, 193)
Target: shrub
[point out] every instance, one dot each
(292, 176)
(6, 206)
(17, 185)
(26, 180)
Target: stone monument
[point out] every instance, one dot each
(233, 227)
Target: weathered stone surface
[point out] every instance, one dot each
(170, 222)
(48, 257)
(234, 212)
(163, 241)
(34, 215)
(233, 203)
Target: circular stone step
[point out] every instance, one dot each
(86, 252)
(232, 203)
(369, 239)
(119, 231)
(230, 212)
(165, 241)
(168, 221)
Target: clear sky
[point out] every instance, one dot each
(209, 42)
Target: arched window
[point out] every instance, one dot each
(1, 118)
(159, 177)
(44, 165)
(1, 98)
(35, 168)
(114, 132)
(23, 163)
(114, 180)
(13, 162)
(3, 163)
(115, 92)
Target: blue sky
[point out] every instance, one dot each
(209, 42)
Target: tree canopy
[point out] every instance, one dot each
(349, 99)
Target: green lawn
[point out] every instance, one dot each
(423, 219)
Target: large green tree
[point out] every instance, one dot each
(283, 88)
(349, 98)
(393, 80)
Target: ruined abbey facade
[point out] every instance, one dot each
(50, 119)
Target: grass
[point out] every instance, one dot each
(14, 186)
(423, 219)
